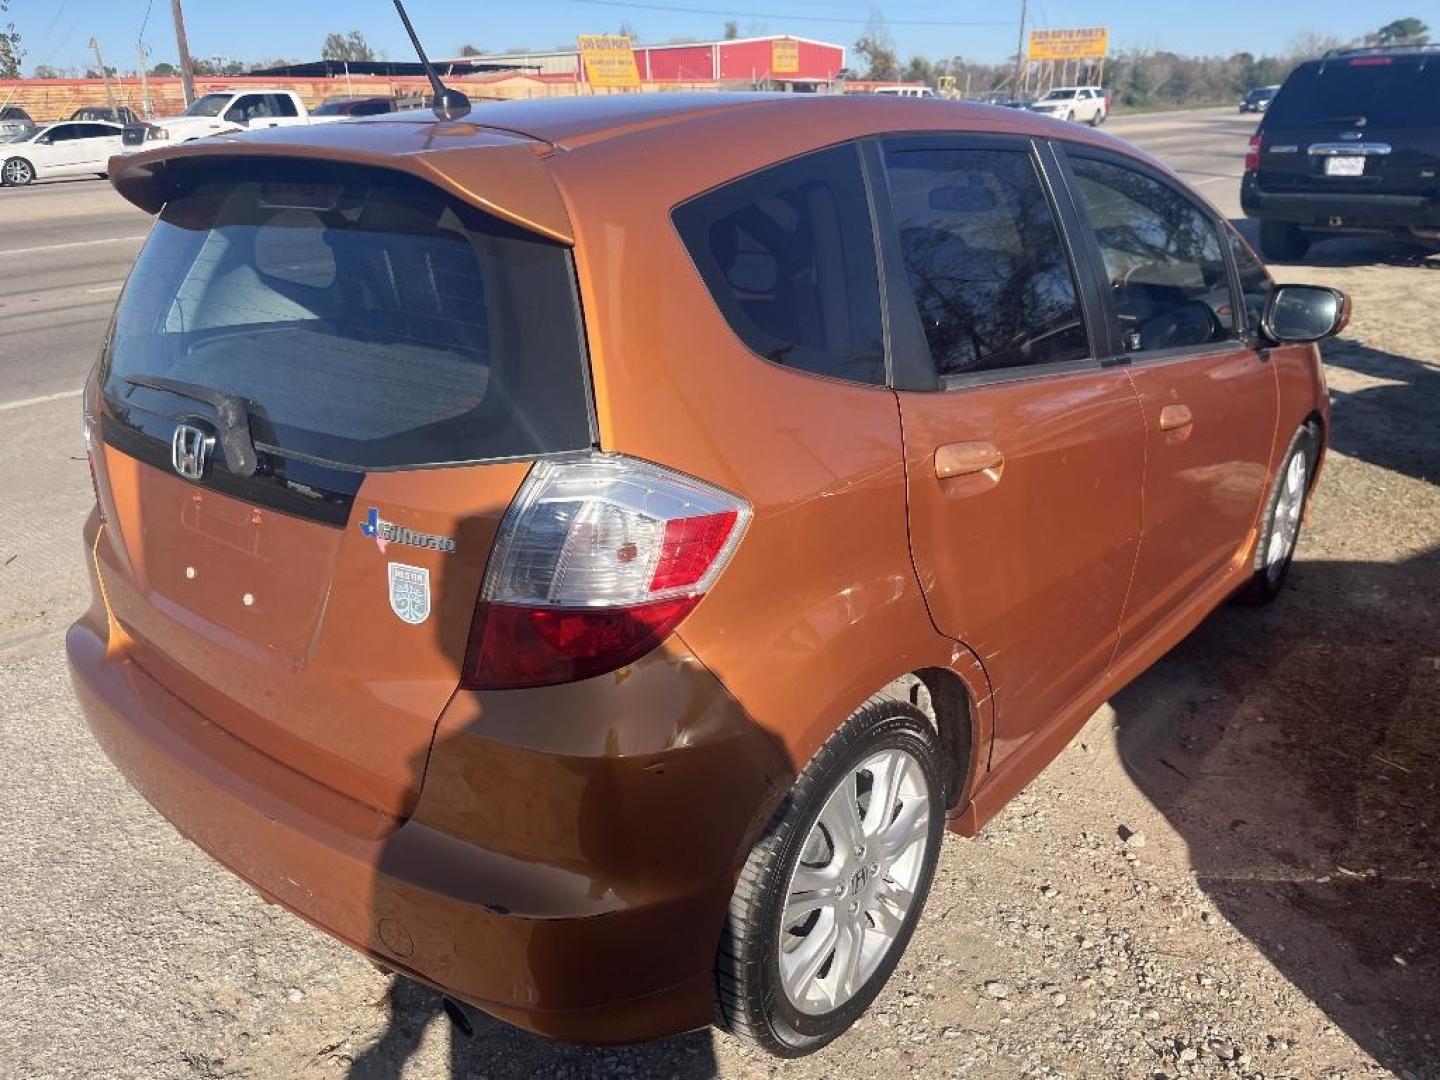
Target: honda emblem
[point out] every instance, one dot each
(190, 448)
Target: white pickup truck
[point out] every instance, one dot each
(222, 112)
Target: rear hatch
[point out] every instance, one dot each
(365, 367)
(1360, 124)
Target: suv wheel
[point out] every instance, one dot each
(1283, 241)
(17, 172)
(1280, 528)
(830, 894)
(1098, 118)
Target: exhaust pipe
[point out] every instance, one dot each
(459, 1016)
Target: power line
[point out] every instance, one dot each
(775, 14)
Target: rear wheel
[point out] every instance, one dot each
(1098, 118)
(830, 895)
(1283, 241)
(17, 172)
(1280, 528)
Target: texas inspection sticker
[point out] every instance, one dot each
(410, 592)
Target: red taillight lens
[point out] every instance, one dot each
(597, 562)
(515, 647)
(1252, 154)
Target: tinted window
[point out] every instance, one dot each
(1377, 91)
(991, 280)
(370, 108)
(281, 105)
(63, 133)
(95, 131)
(1255, 283)
(1167, 275)
(370, 320)
(789, 258)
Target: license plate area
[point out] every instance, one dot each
(1345, 166)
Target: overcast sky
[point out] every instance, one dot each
(56, 32)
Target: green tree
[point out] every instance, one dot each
(10, 51)
(920, 70)
(1407, 31)
(164, 68)
(351, 46)
(732, 30)
(470, 50)
(878, 48)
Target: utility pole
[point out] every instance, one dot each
(146, 109)
(1019, 48)
(100, 63)
(187, 69)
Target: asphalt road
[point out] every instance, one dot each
(124, 952)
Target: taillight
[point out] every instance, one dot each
(1252, 154)
(597, 561)
(91, 449)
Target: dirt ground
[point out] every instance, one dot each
(1274, 912)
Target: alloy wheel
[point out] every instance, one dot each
(1286, 526)
(855, 881)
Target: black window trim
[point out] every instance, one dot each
(912, 363)
(1063, 150)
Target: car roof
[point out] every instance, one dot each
(497, 156)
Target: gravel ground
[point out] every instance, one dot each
(1232, 870)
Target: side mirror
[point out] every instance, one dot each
(1302, 313)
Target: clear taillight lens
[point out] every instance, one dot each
(1252, 154)
(596, 562)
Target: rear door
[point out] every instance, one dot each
(1023, 451)
(397, 358)
(94, 144)
(1358, 124)
(1208, 395)
(61, 152)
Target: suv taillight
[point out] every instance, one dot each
(597, 561)
(1252, 154)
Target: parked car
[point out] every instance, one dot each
(1085, 104)
(223, 112)
(904, 91)
(69, 148)
(346, 107)
(1351, 144)
(120, 114)
(15, 121)
(1258, 100)
(589, 590)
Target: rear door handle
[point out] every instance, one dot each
(1175, 416)
(968, 458)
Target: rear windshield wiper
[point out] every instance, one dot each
(231, 414)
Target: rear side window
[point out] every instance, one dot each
(989, 274)
(1362, 91)
(1168, 282)
(370, 320)
(789, 258)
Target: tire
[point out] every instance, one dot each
(1098, 118)
(1280, 527)
(17, 172)
(1283, 241)
(775, 988)
(1070, 115)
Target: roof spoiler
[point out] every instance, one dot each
(500, 173)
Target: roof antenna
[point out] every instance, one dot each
(449, 104)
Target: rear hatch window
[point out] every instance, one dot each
(1366, 91)
(369, 321)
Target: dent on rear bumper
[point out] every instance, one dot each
(569, 864)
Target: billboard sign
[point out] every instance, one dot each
(1086, 43)
(784, 57)
(609, 60)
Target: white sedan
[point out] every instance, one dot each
(69, 148)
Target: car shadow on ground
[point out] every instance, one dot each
(1295, 749)
(1393, 421)
(498, 1051)
(1357, 250)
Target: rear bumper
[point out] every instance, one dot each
(1399, 214)
(588, 910)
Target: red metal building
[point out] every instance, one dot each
(779, 58)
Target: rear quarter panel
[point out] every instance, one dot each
(820, 607)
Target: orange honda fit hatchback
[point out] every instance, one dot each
(582, 556)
